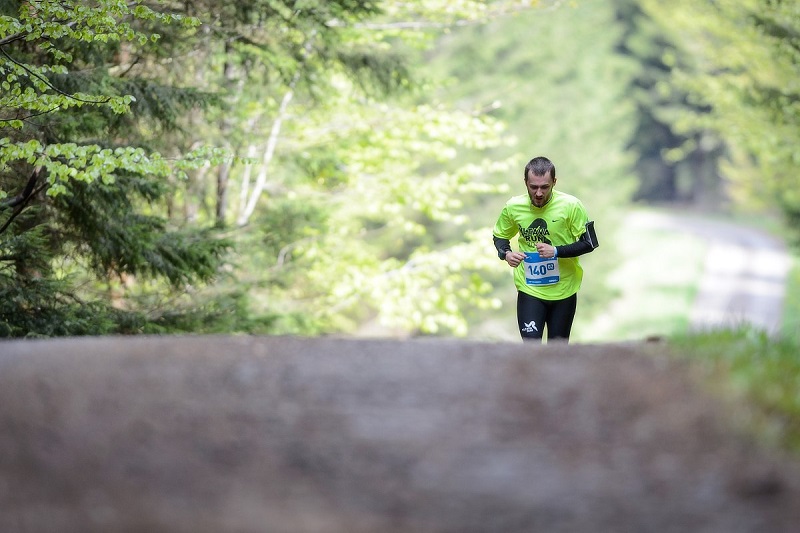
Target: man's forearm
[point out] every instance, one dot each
(579, 247)
(503, 246)
(575, 249)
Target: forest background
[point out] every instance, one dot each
(336, 167)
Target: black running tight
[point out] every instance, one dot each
(533, 314)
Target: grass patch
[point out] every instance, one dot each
(761, 371)
(791, 306)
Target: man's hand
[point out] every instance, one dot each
(514, 258)
(546, 251)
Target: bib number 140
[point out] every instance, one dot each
(540, 271)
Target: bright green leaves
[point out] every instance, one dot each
(29, 92)
(27, 151)
(67, 161)
(105, 21)
(388, 173)
(87, 247)
(429, 292)
(87, 163)
(27, 88)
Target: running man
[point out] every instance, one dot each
(554, 230)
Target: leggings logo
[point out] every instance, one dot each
(530, 327)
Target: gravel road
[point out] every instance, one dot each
(745, 271)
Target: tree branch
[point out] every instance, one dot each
(21, 200)
(272, 141)
(26, 192)
(12, 38)
(47, 82)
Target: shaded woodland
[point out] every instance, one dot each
(288, 167)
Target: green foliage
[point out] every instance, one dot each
(556, 80)
(74, 75)
(125, 241)
(762, 370)
(36, 300)
(38, 308)
(223, 313)
(791, 309)
(37, 85)
(48, 24)
(83, 218)
(738, 63)
(346, 171)
(672, 164)
(345, 236)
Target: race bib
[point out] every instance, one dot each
(539, 271)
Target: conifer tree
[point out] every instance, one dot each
(737, 62)
(107, 211)
(81, 196)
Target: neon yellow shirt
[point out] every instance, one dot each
(561, 221)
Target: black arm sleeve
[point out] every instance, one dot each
(579, 247)
(503, 246)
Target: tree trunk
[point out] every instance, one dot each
(226, 128)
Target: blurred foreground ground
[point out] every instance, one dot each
(243, 434)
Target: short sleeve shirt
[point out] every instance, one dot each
(561, 221)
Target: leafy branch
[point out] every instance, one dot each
(50, 85)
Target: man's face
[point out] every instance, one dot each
(540, 188)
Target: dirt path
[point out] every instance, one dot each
(242, 434)
(740, 274)
(745, 272)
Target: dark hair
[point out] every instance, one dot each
(539, 166)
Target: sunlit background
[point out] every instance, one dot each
(338, 169)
